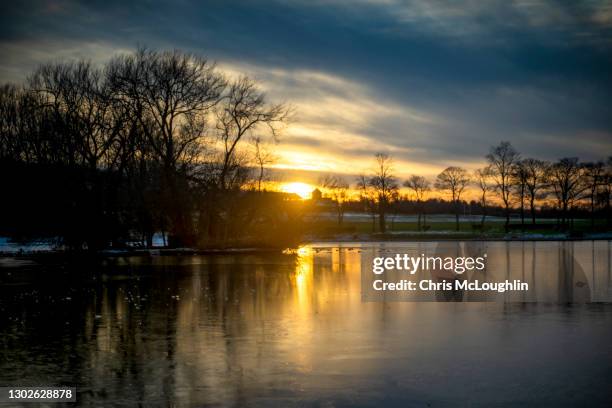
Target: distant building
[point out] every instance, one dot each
(321, 203)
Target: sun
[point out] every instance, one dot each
(302, 189)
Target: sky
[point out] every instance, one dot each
(432, 83)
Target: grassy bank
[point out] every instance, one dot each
(359, 230)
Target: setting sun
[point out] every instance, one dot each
(302, 189)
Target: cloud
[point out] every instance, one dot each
(23, 56)
(433, 82)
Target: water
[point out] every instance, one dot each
(291, 330)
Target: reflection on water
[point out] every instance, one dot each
(291, 330)
(560, 272)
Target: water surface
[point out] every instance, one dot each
(291, 330)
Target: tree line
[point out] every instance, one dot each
(165, 142)
(151, 141)
(518, 183)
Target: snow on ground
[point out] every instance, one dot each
(8, 246)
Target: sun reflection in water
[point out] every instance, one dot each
(303, 277)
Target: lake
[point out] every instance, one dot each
(292, 330)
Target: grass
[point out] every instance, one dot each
(495, 228)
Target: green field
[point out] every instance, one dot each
(492, 229)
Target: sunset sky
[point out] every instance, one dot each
(433, 83)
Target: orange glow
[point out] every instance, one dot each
(302, 189)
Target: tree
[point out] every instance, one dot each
(263, 157)
(420, 186)
(565, 177)
(366, 196)
(20, 125)
(78, 128)
(519, 181)
(594, 178)
(176, 91)
(453, 179)
(171, 95)
(337, 188)
(535, 182)
(482, 179)
(78, 98)
(244, 110)
(133, 147)
(502, 159)
(393, 206)
(384, 184)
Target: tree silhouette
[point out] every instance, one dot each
(502, 159)
(367, 197)
(171, 94)
(420, 186)
(535, 182)
(482, 179)
(453, 179)
(384, 184)
(337, 188)
(565, 178)
(130, 149)
(520, 175)
(262, 157)
(244, 109)
(594, 178)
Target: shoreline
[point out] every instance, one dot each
(453, 236)
(341, 238)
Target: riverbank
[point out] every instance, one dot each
(38, 251)
(460, 236)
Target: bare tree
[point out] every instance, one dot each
(594, 178)
(535, 182)
(519, 181)
(453, 179)
(10, 123)
(502, 159)
(176, 91)
(419, 186)
(337, 188)
(137, 143)
(565, 177)
(482, 179)
(171, 95)
(80, 100)
(22, 126)
(384, 184)
(393, 205)
(263, 157)
(366, 196)
(244, 110)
